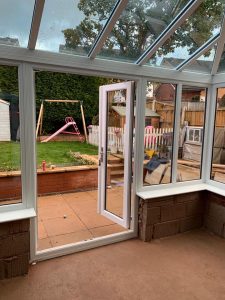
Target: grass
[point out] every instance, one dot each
(56, 153)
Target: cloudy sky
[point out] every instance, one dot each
(16, 17)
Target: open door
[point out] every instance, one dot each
(115, 151)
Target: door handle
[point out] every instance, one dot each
(100, 161)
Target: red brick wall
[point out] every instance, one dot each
(166, 216)
(214, 219)
(53, 182)
(14, 248)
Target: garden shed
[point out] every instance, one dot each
(4, 121)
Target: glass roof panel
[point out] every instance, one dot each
(203, 64)
(15, 22)
(138, 27)
(71, 26)
(192, 34)
(221, 68)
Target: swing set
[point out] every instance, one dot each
(69, 121)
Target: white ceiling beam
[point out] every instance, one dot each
(219, 49)
(59, 62)
(186, 12)
(36, 21)
(199, 52)
(103, 35)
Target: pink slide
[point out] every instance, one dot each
(69, 122)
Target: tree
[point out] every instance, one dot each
(140, 24)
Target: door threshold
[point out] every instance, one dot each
(83, 245)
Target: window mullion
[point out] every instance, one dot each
(176, 131)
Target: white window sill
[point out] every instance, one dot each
(173, 190)
(17, 215)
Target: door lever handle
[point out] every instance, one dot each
(101, 157)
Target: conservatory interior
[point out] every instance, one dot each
(141, 86)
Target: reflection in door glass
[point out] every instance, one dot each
(116, 122)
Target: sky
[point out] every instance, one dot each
(16, 18)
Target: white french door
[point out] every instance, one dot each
(116, 102)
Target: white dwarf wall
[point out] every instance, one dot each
(4, 121)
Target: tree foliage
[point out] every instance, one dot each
(61, 86)
(140, 24)
(52, 85)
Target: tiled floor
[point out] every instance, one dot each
(73, 217)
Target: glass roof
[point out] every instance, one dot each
(139, 25)
(203, 64)
(194, 32)
(71, 26)
(165, 33)
(15, 22)
(221, 68)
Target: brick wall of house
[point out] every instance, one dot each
(14, 248)
(214, 219)
(167, 216)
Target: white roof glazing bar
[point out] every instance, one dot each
(219, 49)
(36, 21)
(199, 52)
(186, 12)
(119, 7)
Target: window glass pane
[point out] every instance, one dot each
(193, 33)
(221, 68)
(139, 25)
(71, 26)
(203, 64)
(191, 133)
(218, 160)
(15, 22)
(10, 169)
(158, 136)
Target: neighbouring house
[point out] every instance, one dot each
(117, 117)
(9, 41)
(166, 92)
(4, 121)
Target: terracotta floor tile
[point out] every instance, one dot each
(42, 234)
(69, 238)
(44, 244)
(60, 226)
(106, 230)
(55, 211)
(49, 200)
(94, 220)
(80, 196)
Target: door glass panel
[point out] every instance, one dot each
(192, 122)
(158, 133)
(115, 139)
(10, 164)
(218, 159)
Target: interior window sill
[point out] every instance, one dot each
(173, 190)
(17, 215)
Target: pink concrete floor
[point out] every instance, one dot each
(189, 266)
(72, 217)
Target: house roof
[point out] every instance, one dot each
(121, 110)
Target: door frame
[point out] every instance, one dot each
(128, 150)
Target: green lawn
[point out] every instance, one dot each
(57, 153)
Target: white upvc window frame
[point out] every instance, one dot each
(24, 209)
(28, 61)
